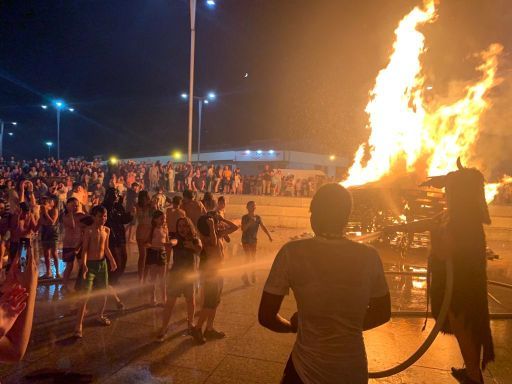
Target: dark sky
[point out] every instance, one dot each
(123, 64)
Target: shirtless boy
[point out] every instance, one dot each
(95, 251)
(173, 214)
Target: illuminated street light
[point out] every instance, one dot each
(210, 3)
(271, 152)
(49, 144)
(2, 125)
(210, 96)
(247, 152)
(259, 151)
(59, 105)
(113, 160)
(332, 157)
(176, 155)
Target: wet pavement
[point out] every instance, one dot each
(127, 352)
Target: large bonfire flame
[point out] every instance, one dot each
(409, 135)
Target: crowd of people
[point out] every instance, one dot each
(81, 213)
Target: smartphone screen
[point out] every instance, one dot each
(23, 256)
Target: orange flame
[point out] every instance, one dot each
(405, 131)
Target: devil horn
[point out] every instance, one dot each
(459, 164)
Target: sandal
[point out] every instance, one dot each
(104, 321)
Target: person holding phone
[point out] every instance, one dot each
(72, 239)
(22, 226)
(49, 216)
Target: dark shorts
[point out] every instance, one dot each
(212, 291)
(70, 254)
(49, 236)
(155, 257)
(97, 275)
(178, 283)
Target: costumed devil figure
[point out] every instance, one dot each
(458, 233)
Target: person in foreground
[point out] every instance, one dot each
(340, 289)
(17, 304)
(95, 252)
(458, 234)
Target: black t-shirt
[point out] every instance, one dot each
(183, 258)
(250, 236)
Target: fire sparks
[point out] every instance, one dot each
(408, 134)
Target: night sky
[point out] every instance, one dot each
(123, 64)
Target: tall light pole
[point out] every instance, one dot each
(59, 105)
(193, 5)
(49, 144)
(211, 96)
(2, 125)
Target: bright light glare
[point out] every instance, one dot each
(71, 109)
(113, 160)
(212, 95)
(59, 104)
(206, 101)
(184, 96)
(176, 155)
(44, 106)
(332, 157)
(10, 133)
(247, 152)
(49, 143)
(210, 3)
(259, 151)
(14, 123)
(271, 151)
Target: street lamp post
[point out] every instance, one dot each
(59, 105)
(200, 101)
(193, 6)
(49, 144)
(2, 126)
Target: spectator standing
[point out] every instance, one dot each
(117, 218)
(193, 208)
(340, 289)
(250, 226)
(143, 213)
(72, 238)
(173, 214)
(179, 279)
(49, 234)
(170, 177)
(213, 229)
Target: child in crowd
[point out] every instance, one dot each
(157, 255)
(95, 251)
(181, 275)
(49, 215)
(72, 238)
